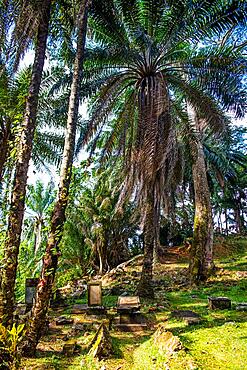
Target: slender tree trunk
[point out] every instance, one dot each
(50, 260)
(226, 222)
(37, 235)
(20, 179)
(4, 145)
(145, 288)
(238, 218)
(201, 261)
(101, 258)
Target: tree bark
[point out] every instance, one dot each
(50, 260)
(201, 261)
(226, 222)
(238, 217)
(4, 145)
(145, 287)
(16, 211)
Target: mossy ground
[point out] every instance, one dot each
(219, 342)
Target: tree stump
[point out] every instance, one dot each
(166, 341)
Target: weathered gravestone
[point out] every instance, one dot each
(95, 298)
(30, 292)
(221, 303)
(130, 317)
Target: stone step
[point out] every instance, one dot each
(79, 308)
(131, 327)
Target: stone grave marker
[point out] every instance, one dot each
(30, 291)
(94, 294)
(95, 298)
(130, 317)
(221, 303)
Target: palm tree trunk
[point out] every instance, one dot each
(226, 222)
(37, 235)
(16, 212)
(145, 288)
(50, 260)
(201, 261)
(238, 218)
(4, 145)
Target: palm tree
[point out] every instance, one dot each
(16, 212)
(226, 172)
(50, 259)
(201, 259)
(39, 199)
(143, 53)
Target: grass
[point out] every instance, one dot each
(219, 342)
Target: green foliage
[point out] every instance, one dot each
(39, 201)
(9, 341)
(93, 228)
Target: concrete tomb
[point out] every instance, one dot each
(130, 317)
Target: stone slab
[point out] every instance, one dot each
(131, 327)
(220, 303)
(132, 318)
(192, 320)
(96, 310)
(62, 320)
(95, 294)
(241, 306)
(184, 314)
(79, 308)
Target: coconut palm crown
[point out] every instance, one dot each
(143, 53)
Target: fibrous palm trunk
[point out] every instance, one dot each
(4, 145)
(145, 287)
(154, 160)
(16, 211)
(50, 259)
(201, 261)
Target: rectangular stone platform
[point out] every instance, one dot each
(221, 303)
(79, 308)
(131, 327)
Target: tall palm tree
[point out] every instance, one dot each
(201, 260)
(39, 199)
(50, 258)
(143, 53)
(16, 212)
